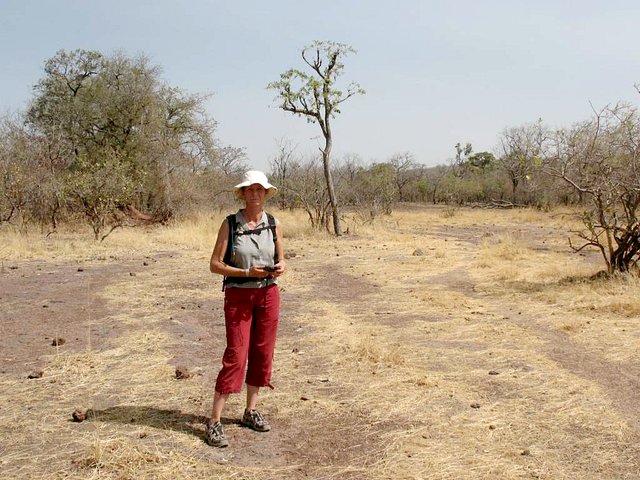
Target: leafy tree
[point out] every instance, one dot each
(459, 165)
(423, 189)
(316, 97)
(100, 189)
(122, 134)
(481, 161)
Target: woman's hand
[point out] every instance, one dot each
(263, 271)
(280, 267)
(257, 272)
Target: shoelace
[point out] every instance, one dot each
(216, 431)
(256, 417)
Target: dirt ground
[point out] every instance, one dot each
(142, 419)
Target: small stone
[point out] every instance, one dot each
(289, 255)
(146, 264)
(183, 373)
(58, 341)
(80, 269)
(132, 274)
(36, 374)
(418, 252)
(525, 452)
(79, 415)
(492, 427)
(304, 398)
(475, 405)
(493, 372)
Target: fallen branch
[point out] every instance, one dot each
(498, 204)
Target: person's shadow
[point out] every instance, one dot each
(154, 417)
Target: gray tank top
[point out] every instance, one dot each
(253, 249)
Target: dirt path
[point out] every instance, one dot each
(620, 381)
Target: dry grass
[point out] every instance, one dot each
(390, 347)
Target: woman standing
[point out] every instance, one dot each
(249, 253)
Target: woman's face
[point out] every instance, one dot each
(254, 194)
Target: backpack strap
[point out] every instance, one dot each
(228, 254)
(272, 225)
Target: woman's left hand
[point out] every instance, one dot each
(280, 267)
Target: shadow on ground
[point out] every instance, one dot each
(154, 417)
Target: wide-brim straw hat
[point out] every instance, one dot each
(251, 177)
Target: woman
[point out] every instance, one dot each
(249, 253)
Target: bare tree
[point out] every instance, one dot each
(403, 164)
(376, 190)
(435, 177)
(347, 171)
(600, 158)
(282, 165)
(305, 190)
(231, 161)
(316, 97)
(521, 149)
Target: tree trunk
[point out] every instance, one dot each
(326, 154)
(332, 193)
(514, 187)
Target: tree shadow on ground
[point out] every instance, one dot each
(154, 417)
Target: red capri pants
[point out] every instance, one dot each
(251, 321)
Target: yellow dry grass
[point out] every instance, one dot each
(419, 348)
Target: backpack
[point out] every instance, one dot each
(228, 254)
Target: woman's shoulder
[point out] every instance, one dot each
(235, 217)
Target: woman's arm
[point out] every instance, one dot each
(216, 264)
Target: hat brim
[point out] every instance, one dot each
(271, 190)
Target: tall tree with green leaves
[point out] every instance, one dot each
(315, 96)
(122, 133)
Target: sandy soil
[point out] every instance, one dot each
(42, 301)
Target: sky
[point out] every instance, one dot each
(435, 72)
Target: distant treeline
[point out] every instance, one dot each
(105, 139)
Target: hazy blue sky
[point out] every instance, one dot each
(435, 72)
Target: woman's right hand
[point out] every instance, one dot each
(258, 272)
